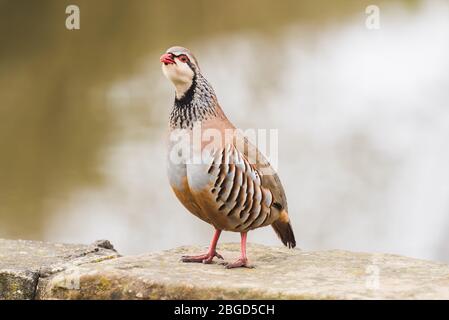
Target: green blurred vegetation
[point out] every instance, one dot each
(55, 120)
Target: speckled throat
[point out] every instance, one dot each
(197, 104)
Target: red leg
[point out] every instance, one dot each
(243, 260)
(206, 258)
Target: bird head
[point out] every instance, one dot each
(180, 67)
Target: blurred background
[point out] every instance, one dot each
(363, 118)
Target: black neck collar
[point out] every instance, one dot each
(186, 99)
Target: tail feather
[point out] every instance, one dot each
(285, 232)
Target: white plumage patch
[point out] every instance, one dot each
(180, 75)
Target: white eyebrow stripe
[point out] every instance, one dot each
(177, 53)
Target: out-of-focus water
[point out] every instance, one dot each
(363, 119)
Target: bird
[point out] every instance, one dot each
(232, 187)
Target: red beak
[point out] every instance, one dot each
(167, 58)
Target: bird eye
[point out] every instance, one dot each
(183, 58)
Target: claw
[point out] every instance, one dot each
(219, 256)
(240, 263)
(199, 258)
(203, 258)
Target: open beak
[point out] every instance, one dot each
(167, 58)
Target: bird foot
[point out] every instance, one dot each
(240, 263)
(202, 258)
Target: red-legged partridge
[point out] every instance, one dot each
(223, 179)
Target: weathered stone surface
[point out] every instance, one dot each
(279, 273)
(24, 263)
(30, 269)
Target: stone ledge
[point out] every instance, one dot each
(24, 263)
(280, 273)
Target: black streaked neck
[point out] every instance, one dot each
(197, 104)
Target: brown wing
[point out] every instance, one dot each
(269, 177)
(269, 181)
